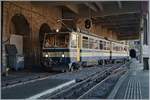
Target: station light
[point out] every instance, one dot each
(57, 30)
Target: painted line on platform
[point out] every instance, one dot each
(51, 90)
(140, 93)
(117, 86)
(34, 80)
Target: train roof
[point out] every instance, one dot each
(86, 33)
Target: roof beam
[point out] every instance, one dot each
(119, 24)
(123, 26)
(73, 8)
(119, 4)
(128, 37)
(129, 20)
(91, 6)
(114, 12)
(100, 6)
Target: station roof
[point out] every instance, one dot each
(122, 17)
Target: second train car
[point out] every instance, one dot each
(66, 51)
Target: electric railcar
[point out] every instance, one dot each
(66, 51)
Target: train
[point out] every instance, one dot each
(67, 51)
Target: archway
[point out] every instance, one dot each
(20, 26)
(132, 53)
(43, 29)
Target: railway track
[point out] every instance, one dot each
(84, 88)
(27, 78)
(102, 89)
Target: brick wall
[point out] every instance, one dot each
(35, 15)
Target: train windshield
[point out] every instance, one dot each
(56, 41)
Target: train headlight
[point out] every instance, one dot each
(46, 55)
(63, 55)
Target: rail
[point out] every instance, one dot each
(82, 87)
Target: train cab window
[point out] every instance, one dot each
(73, 40)
(101, 45)
(85, 42)
(49, 41)
(56, 41)
(61, 40)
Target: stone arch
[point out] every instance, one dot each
(20, 26)
(132, 53)
(44, 28)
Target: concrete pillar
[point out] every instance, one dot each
(141, 42)
(146, 63)
(149, 29)
(0, 39)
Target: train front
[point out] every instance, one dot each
(55, 55)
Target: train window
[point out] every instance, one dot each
(49, 41)
(91, 42)
(121, 48)
(108, 45)
(73, 40)
(61, 40)
(101, 45)
(125, 48)
(95, 45)
(116, 48)
(85, 42)
(104, 45)
(113, 46)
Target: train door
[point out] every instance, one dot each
(78, 47)
(111, 50)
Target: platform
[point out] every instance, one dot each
(35, 89)
(17, 77)
(133, 85)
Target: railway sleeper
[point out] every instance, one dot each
(84, 86)
(102, 89)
